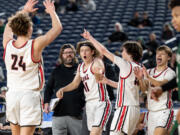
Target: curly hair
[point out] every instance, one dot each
(174, 3)
(134, 49)
(20, 24)
(89, 44)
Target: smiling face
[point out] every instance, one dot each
(162, 58)
(86, 53)
(176, 18)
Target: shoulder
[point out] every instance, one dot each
(170, 71)
(98, 62)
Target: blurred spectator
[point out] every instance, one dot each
(2, 26)
(135, 21)
(152, 45)
(39, 32)
(89, 5)
(72, 6)
(60, 5)
(35, 19)
(173, 63)
(146, 21)
(4, 89)
(118, 35)
(141, 41)
(1, 74)
(167, 32)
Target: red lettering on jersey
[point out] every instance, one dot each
(85, 78)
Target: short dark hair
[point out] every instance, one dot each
(174, 3)
(134, 49)
(20, 23)
(89, 44)
(166, 49)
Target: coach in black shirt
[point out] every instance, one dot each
(67, 114)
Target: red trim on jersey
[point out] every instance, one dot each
(91, 68)
(13, 43)
(4, 53)
(122, 117)
(169, 99)
(144, 114)
(79, 67)
(106, 114)
(128, 74)
(121, 93)
(170, 119)
(83, 68)
(102, 92)
(32, 53)
(41, 76)
(155, 76)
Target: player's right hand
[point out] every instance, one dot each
(46, 108)
(29, 6)
(86, 34)
(59, 94)
(49, 5)
(138, 73)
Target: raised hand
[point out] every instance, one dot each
(86, 34)
(59, 94)
(29, 6)
(145, 72)
(49, 5)
(138, 73)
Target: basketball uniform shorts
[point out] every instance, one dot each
(98, 113)
(161, 119)
(23, 107)
(125, 120)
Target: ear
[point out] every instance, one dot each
(92, 52)
(169, 58)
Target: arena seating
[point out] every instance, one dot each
(100, 23)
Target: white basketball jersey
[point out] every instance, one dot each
(92, 89)
(22, 72)
(165, 100)
(128, 87)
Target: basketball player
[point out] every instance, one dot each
(23, 62)
(98, 106)
(160, 112)
(127, 104)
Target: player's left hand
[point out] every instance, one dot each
(156, 93)
(59, 94)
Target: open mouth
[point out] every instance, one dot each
(159, 60)
(84, 57)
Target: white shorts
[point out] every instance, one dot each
(125, 120)
(98, 113)
(23, 107)
(162, 119)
